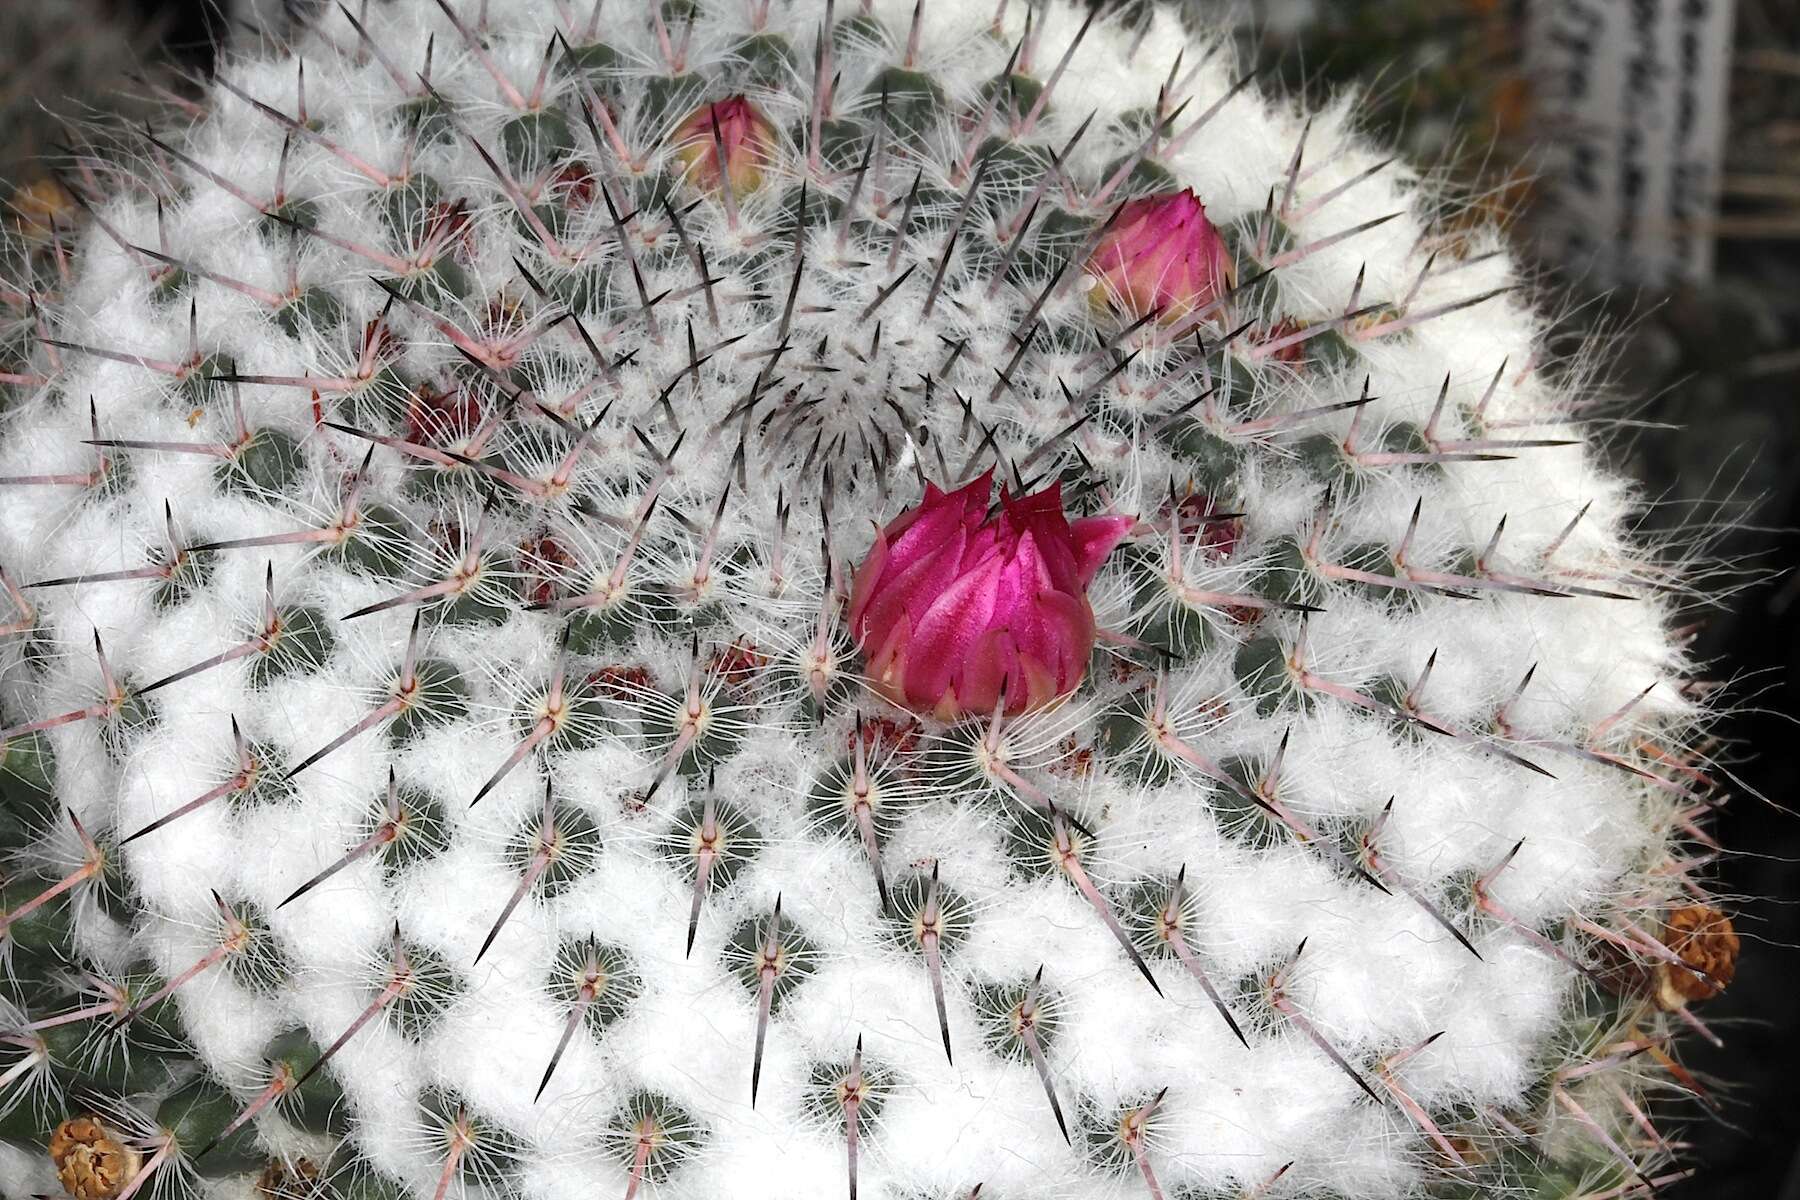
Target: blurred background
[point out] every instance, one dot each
(1505, 102)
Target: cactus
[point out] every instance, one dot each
(749, 599)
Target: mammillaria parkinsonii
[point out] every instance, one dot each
(462, 737)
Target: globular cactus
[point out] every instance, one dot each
(751, 599)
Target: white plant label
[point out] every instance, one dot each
(1632, 120)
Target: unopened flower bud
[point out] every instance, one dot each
(1161, 255)
(958, 612)
(734, 130)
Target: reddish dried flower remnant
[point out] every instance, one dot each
(1206, 527)
(739, 664)
(734, 128)
(1161, 255)
(957, 611)
(543, 562)
(1706, 942)
(438, 418)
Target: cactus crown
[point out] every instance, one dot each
(434, 495)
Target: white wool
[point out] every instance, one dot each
(1378, 975)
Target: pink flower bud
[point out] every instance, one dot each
(732, 127)
(956, 611)
(1160, 255)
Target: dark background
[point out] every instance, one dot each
(1709, 379)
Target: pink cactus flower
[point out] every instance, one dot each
(745, 136)
(957, 612)
(1161, 255)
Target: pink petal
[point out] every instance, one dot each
(914, 532)
(983, 544)
(990, 670)
(927, 529)
(1060, 568)
(1162, 254)
(973, 496)
(1022, 577)
(1045, 503)
(948, 628)
(956, 612)
(1056, 631)
(886, 663)
(1092, 539)
(911, 588)
(862, 588)
(1040, 688)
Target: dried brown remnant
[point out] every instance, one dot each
(576, 184)
(298, 1180)
(621, 682)
(1212, 708)
(91, 1162)
(1125, 671)
(41, 207)
(635, 802)
(739, 664)
(1075, 759)
(379, 335)
(1292, 354)
(1705, 941)
(898, 734)
(1469, 1152)
(1204, 522)
(545, 562)
(442, 417)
